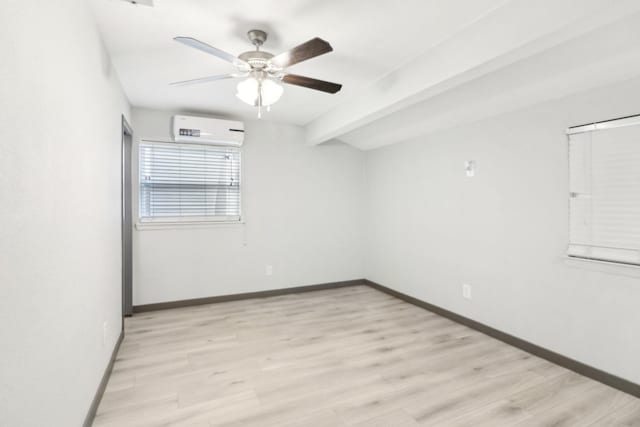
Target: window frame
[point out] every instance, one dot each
(143, 223)
(633, 120)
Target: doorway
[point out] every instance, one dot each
(127, 221)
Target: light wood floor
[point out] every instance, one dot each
(350, 356)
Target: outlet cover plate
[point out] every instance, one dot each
(466, 291)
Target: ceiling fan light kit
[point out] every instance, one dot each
(262, 71)
(259, 90)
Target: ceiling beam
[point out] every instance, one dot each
(600, 58)
(512, 32)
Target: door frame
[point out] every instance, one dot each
(127, 218)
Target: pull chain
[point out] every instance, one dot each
(259, 100)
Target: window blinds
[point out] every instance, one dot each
(189, 182)
(604, 202)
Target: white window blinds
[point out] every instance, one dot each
(604, 202)
(186, 182)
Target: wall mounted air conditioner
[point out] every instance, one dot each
(205, 130)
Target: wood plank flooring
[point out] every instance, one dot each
(345, 357)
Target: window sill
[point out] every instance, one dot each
(142, 226)
(607, 267)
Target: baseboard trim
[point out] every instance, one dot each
(553, 357)
(88, 421)
(248, 295)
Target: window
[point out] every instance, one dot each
(604, 191)
(186, 182)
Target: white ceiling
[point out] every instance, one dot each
(408, 67)
(370, 38)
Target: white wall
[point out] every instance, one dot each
(504, 232)
(60, 274)
(303, 208)
(428, 227)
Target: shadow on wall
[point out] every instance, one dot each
(105, 62)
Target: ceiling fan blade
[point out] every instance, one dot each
(308, 82)
(205, 79)
(197, 44)
(307, 50)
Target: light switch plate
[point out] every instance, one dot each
(470, 168)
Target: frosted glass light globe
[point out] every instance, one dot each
(247, 91)
(271, 92)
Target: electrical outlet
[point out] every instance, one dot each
(104, 333)
(268, 270)
(466, 291)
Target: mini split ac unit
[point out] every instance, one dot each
(205, 130)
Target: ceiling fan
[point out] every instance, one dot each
(263, 70)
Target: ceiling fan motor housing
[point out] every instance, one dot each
(256, 58)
